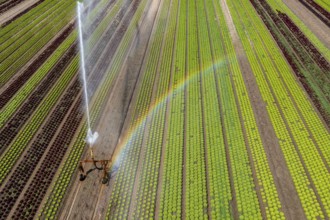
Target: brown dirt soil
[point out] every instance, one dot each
(10, 216)
(9, 14)
(286, 190)
(15, 77)
(89, 200)
(311, 21)
(8, 90)
(28, 146)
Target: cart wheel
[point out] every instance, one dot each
(82, 177)
(105, 179)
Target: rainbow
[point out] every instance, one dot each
(131, 134)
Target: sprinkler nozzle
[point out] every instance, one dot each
(91, 137)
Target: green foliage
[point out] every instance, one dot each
(291, 113)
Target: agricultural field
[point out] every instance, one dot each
(204, 109)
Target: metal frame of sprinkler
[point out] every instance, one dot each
(104, 166)
(91, 137)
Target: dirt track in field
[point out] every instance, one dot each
(89, 199)
(154, 9)
(310, 20)
(282, 178)
(6, 16)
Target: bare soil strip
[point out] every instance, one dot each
(317, 10)
(286, 190)
(33, 140)
(251, 162)
(46, 52)
(146, 132)
(311, 21)
(25, 191)
(133, 68)
(233, 204)
(8, 12)
(13, 126)
(70, 124)
(91, 199)
(311, 95)
(122, 113)
(9, 4)
(296, 58)
(298, 110)
(14, 17)
(312, 185)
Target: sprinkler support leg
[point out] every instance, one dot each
(82, 172)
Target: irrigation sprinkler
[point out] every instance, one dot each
(91, 137)
(98, 164)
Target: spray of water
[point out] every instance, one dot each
(90, 137)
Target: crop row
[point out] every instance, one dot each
(58, 146)
(8, 5)
(147, 193)
(24, 92)
(42, 90)
(289, 110)
(317, 56)
(131, 153)
(7, 94)
(22, 115)
(211, 51)
(56, 150)
(25, 168)
(317, 10)
(22, 24)
(311, 120)
(217, 85)
(21, 13)
(16, 30)
(37, 77)
(279, 5)
(26, 133)
(20, 81)
(269, 195)
(145, 201)
(172, 180)
(35, 192)
(324, 4)
(9, 158)
(69, 166)
(15, 57)
(171, 186)
(309, 73)
(195, 201)
(232, 130)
